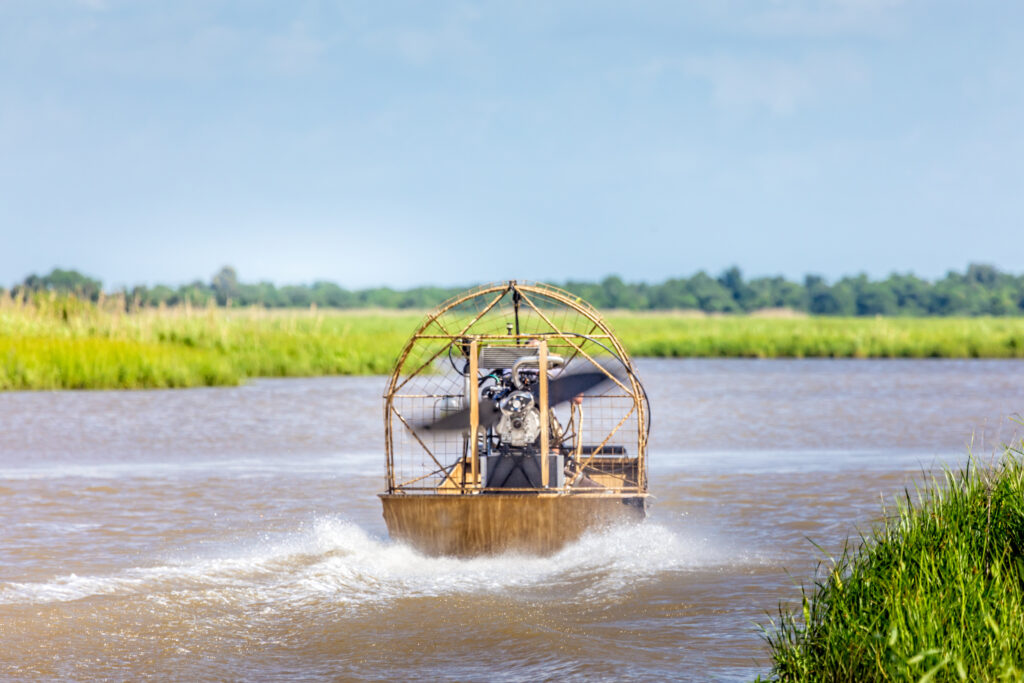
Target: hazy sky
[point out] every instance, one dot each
(449, 143)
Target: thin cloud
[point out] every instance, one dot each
(421, 45)
(825, 19)
(295, 51)
(782, 87)
(94, 5)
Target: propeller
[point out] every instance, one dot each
(560, 390)
(490, 413)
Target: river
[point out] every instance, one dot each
(234, 533)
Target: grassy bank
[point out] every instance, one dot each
(934, 593)
(71, 345)
(669, 335)
(67, 344)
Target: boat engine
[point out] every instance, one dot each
(520, 419)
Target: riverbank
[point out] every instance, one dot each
(674, 336)
(69, 344)
(936, 592)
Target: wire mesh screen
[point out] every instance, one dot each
(601, 435)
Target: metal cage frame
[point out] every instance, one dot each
(527, 295)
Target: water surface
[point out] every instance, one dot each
(234, 533)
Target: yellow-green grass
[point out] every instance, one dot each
(934, 593)
(63, 343)
(69, 345)
(668, 335)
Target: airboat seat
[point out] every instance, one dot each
(520, 472)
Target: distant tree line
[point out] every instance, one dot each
(981, 290)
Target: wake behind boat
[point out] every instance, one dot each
(514, 421)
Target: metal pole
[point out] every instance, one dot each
(543, 376)
(474, 413)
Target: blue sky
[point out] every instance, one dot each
(448, 143)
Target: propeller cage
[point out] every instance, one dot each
(476, 361)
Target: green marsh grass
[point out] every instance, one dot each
(55, 342)
(933, 593)
(674, 335)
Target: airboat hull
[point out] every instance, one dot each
(485, 524)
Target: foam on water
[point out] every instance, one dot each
(337, 561)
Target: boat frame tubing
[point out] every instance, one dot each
(600, 331)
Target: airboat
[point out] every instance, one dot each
(514, 422)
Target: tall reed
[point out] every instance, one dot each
(54, 343)
(670, 335)
(51, 342)
(933, 593)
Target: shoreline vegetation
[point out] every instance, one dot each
(51, 341)
(934, 592)
(980, 290)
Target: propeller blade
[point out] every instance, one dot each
(459, 420)
(567, 387)
(560, 390)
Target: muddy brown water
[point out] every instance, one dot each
(234, 533)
